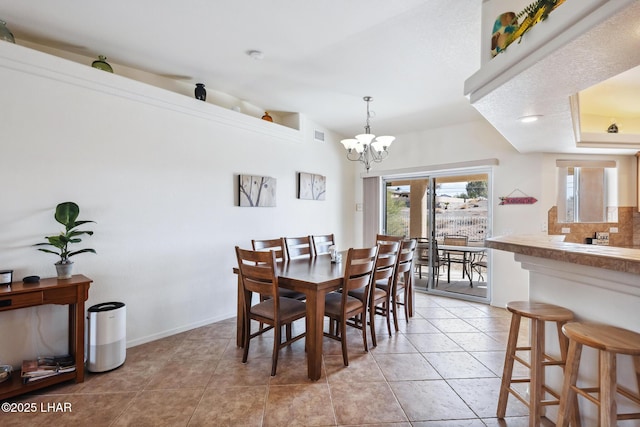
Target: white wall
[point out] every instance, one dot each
(533, 174)
(157, 172)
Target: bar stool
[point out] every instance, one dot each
(539, 313)
(609, 341)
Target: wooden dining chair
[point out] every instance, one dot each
(403, 280)
(380, 294)
(257, 272)
(340, 306)
(277, 246)
(321, 243)
(298, 247)
(384, 238)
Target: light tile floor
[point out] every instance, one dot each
(442, 369)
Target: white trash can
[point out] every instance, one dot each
(107, 347)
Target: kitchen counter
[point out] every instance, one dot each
(623, 259)
(598, 283)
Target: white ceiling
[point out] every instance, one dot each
(320, 57)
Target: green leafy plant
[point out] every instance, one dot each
(67, 215)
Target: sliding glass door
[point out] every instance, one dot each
(449, 215)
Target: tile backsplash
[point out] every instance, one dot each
(628, 226)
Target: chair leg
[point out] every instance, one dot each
(394, 306)
(247, 338)
(507, 371)
(372, 326)
(343, 340)
(387, 310)
(276, 347)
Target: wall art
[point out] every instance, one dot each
(257, 190)
(311, 186)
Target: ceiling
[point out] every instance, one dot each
(320, 57)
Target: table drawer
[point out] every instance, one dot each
(59, 296)
(20, 300)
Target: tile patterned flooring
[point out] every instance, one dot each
(443, 369)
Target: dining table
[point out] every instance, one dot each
(315, 277)
(468, 252)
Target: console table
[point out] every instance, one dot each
(72, 292)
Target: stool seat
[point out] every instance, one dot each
(604, 337)
(609, 341)
(540, 311)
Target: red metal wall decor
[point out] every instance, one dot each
(521, 200)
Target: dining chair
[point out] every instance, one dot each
(423, 257)
(321, 243)
(277, 246)
(403, 280)
(380, 294)
(477, 263)
(298, 247)
(340, 306)
(383, 238)
(257, 272)
(450, 256)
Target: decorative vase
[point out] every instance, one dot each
(5, 34)
(267, 117)
(102, 64)
(64, 270)
(200, 92)
(505, 25)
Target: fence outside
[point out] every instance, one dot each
(447, 224)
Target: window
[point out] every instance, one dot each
(582, 190)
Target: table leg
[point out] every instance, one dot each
(314, 324)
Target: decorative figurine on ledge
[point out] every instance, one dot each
(200, 92)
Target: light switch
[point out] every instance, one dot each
(613, 229)
(566, 230)
(358, 207)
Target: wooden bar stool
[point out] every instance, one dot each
(539, 313)
(609, 341)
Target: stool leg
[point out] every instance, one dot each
(507, 371)
(568, 394)
(564, 344)
(537, 372)
(608, 407)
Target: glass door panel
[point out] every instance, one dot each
(442, 211)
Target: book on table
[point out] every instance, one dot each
(45, 367)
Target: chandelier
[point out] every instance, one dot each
(366, 148)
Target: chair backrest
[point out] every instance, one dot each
(298, 247)
(456, 240)
(321, 243)
(359, 269)
(405, 257)
(257, 271)
(386, 261)
(423, 253)
(275, 245)
(384, 238)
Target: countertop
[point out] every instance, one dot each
(607, 257)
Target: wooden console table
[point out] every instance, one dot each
(72, 292)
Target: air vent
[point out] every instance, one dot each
(318, 135)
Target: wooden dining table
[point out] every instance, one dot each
(315, 277)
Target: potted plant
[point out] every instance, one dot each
(66, 214)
